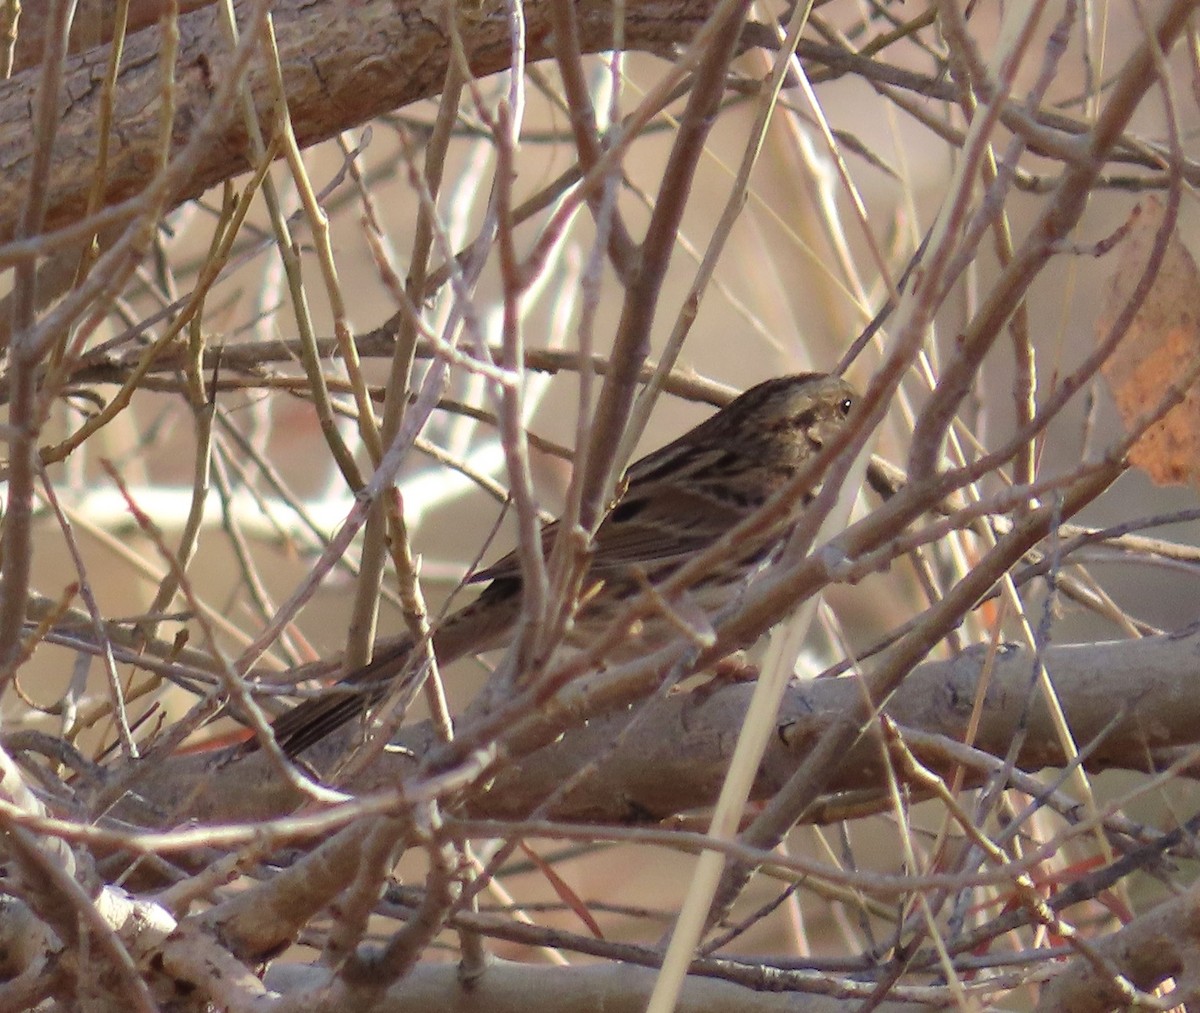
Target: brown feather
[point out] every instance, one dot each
(675, 502)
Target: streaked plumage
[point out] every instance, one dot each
(676, 501)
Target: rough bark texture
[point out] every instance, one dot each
(678, 754)
(342, 64)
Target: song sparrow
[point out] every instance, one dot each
(674, 503)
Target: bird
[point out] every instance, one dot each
(669, 507)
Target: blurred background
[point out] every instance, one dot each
(798, 280)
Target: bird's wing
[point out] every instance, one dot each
(658, 528)
(666, 511)
(510, 565)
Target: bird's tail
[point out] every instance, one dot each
(483, 625)
(310, 721)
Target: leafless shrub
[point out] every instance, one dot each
(309, 302)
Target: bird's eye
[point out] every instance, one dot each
(846, 405)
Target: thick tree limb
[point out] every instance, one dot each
(677, 755)
(515, 987)
(1163, 943)
(342, 64)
